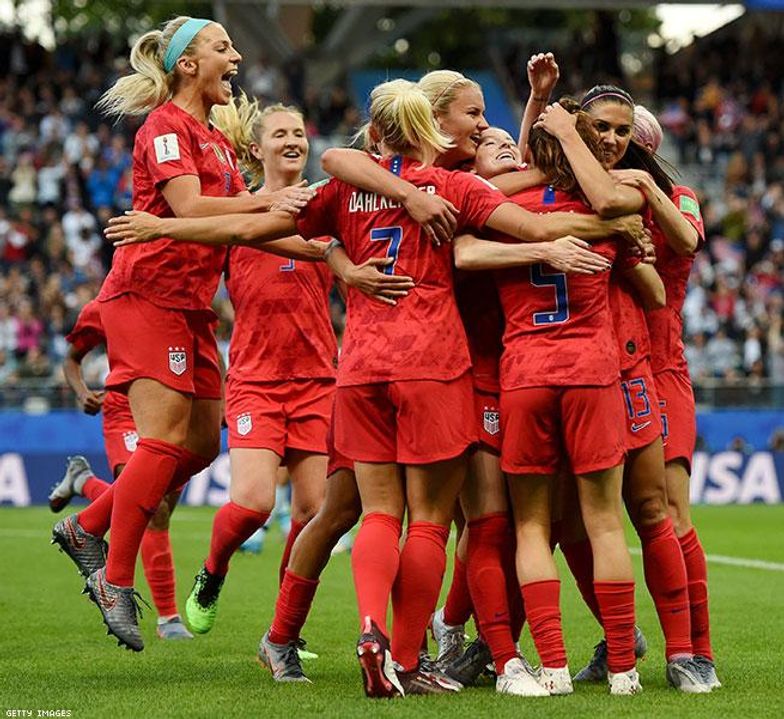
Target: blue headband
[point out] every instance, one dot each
(181, 39)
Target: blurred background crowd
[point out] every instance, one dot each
(64, 171)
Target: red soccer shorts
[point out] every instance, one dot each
(488, 413)
(678, 415)
(279, 415)
(542, 425)
(643, 420)
(408, 422)
(119, 429)
(175, 347)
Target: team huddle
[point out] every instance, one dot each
(512, 362)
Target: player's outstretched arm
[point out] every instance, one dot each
(511, 183)
(89, 401)
(648, 285)
(134, 227)
(437, 215)
(566, 254)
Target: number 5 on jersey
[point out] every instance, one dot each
(556, 280)
(394, 236)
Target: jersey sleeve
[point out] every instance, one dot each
(686, 201)
(88, 331)
(319, 216)
(475, 197)
(167, 150)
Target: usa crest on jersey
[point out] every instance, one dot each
(130, 439)
(244, 423)
(491, 421)
(178, 362)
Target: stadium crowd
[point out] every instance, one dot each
(64, 172)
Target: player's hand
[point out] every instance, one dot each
(368, 279)
(556, 120)
(133, 227)
(543, 74)
(647, 251)
(437, 216)
(635, 178)
(631, 228)
(90, 402)
(570, 254)
(319, 247)
(291, 199)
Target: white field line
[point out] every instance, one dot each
(733, 561)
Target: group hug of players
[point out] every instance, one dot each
(512, 361)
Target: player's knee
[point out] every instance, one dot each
(649, 509)
(681, 518)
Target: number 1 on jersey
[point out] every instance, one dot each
(393, 235)
(557, 280)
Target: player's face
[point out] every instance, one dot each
(497, 153)
(464, 122)
(613, 121)
(216, 63)
(284, 144)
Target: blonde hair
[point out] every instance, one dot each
(150, 85)
(242, 121)
(441, 88)
(401, 118)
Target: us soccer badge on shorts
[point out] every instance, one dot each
(491, 421)
(131, 440)
(177, 360)
(244, 424)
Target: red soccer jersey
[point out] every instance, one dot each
(480, 310)
(87, 334)
(558, 326)
(665, 325)
(628, 318)
(421, 337)
(172, 143)
(282, 329)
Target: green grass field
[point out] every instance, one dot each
(54, 653)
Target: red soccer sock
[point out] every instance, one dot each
(159, 570)
(292, 607)
(697, 573)
(665, 575)
(296, 528)
(514, 598)
(616, 603)
(137, 493)
(416, 588)
(232, 525)
(375, 558)
(487, 537)
(579, 557)
(458, 606)
(94, 488)
(543, 610)
(189, 465)
(97, 517)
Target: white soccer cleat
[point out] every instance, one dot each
(557, 682)
(624, 683)
(518, 681)
(450, 639)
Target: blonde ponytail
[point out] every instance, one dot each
(441, 88)
(402, 119)
(149, 86)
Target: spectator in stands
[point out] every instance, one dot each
(722, 355)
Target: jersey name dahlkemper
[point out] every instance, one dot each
(360, 201)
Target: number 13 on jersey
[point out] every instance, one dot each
(394, 236)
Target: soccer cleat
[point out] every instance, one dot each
(173, 628)
(470, 664)
(378, 671)
(450, 638)
(77, 472)
(684, 674)
(517, 679)
(708, 671)
(303, 652)
(596, 669)
(87, 551)
(344, 544)
(119, 608)
(557, 682)
(624, 683)
(425, 681)
(202, 603)
(282, 660)
(255, 543)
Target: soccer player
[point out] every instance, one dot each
(120, 439)
(155, 302)
(645, 492)
(282, 358)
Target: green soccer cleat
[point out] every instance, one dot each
(202, 603)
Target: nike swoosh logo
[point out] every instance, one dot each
(106, 601)
(73, 537)
(637, 427)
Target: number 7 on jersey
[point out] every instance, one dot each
(394, 236)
